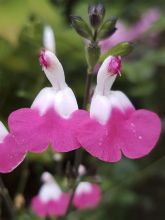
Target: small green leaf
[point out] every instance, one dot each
(108, 28)
(81, 27)
(121, 49)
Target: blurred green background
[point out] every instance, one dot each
(132, 189)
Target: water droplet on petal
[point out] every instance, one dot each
(132, 124)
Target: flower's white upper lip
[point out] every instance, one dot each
(49, 39)
(53, 69)
(105, 79)
(84, 187)
(104, 99)
(50, 190)
(59, 97)
(3, 132)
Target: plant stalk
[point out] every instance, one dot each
(7, 200)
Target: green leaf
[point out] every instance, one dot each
(108, 28)
(121, 49)
(81, 27)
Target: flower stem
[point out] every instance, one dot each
(92, 56)
(79, 153)
(7, 200)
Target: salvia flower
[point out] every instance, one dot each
(50, 201)
(11, 154)
(87, 195)
(50, 120)
(114, 127)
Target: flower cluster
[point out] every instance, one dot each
(51, 201)
(112, 126)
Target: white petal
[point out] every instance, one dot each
(54, 70)
(105, 79)
(49, 39)
(101, 106)
(3, 132)
(81, 170)
(63, 101)
(84, 187)
(44, 100)
(47, 177)
(49, 191)
(120, 100)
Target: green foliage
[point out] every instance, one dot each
(121, 49)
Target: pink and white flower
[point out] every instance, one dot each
(50, 201)
(87, 195)
(114, 127)
(51, 118)
(11, 154)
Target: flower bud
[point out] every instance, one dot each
(46, 177)
(57, 157)
(81, 170)
(81, 27)
(19, 201)
(108, 28)
(96, 14)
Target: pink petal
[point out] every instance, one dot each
(29, 129)
(102, 141)
(135, 133)
(88, 199)
(35, 132)
(39, 207)
(140, 133)
(11, 155)
(59, 207)
(64, 137)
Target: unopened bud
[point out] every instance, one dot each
(46, 177)
(81, 170)
(57, 157)
(19, 201)
(96, 14)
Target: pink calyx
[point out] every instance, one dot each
(114, 66)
